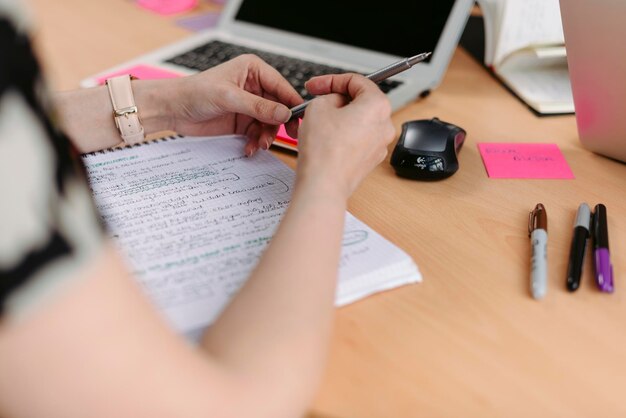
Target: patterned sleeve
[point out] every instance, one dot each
(48, 225)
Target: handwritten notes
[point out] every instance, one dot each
(524, 161)
(142, 72)
(193, 215)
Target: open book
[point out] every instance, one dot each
(525, 48)
(192, 216)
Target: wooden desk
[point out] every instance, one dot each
(469, 340)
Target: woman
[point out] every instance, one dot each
(78, 337)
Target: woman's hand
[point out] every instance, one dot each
(344, 134)
(242, 96)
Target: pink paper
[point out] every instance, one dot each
(168, 7)
(524, 161)
(282, 134)
(142, 72)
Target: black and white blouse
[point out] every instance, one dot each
(49, 228)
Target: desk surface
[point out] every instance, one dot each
(469, 340)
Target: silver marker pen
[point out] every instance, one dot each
(538, 231)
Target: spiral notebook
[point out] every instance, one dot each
(192, 216)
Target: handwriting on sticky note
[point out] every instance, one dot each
(142, 72)
(524, 161)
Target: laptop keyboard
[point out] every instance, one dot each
(296, 71)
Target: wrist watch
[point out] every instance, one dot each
(124, 109)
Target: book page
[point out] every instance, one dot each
(527, 23)
(192, 217)
(492, 19)
(540, 80)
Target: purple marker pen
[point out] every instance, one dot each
(602, 259)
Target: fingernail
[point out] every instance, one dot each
(282, 114)
(265, 145)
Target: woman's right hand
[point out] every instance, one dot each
(345, 133)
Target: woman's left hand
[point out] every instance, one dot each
(242, 96)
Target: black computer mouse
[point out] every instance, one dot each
(427, 149)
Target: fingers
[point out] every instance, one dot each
(265, 97)
(352, 85)
(246, 103)
(268, 134)
(363, 93)
(333, 100)
(260, 136)
(252, 132)
(292, 128)
(270, 81)
(292, 125)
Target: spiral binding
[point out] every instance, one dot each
(139, 144)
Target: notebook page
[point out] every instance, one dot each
(539, 81)
(193, 215)
(528, 23)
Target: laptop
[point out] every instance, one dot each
(596, 58)
(324, 37)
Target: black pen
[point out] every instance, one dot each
(577, 250)
(376, 77)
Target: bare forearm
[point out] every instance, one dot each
(278, 326)
(86, 115)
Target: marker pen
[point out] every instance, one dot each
(602, 257)
(577, 250)
(538, 230)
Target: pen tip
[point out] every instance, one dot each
(419, 58)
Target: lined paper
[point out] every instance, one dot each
(192, 217)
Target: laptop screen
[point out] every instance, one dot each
(402, 28)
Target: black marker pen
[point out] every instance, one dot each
(577, 250)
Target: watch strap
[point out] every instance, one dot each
(125, 111)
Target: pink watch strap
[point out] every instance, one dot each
(124, 109)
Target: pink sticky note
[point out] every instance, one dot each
(168, 7)
(283, 135)
(142, 72)
(524, 161)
